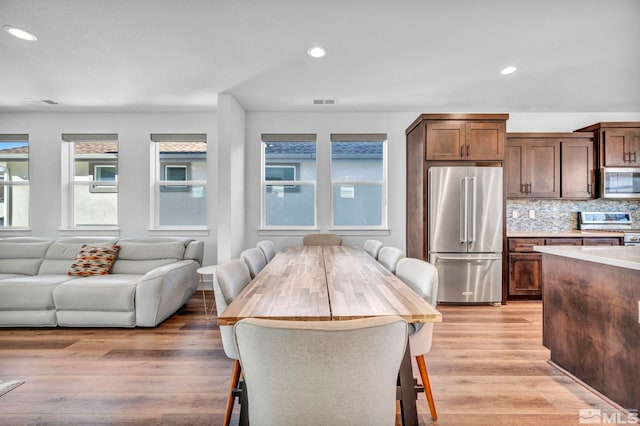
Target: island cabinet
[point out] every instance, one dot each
(549, 165)
(525, 264)
(618, 143)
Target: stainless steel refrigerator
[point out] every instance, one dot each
(465, 232)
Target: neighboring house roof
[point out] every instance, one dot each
(340, 149)
(108, 148)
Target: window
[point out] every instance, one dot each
(288, 180)
(93, 182)
(179, 166)
(358, 180)
(14, 181)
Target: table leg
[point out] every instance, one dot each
(207, 311)
(244, 406)
(408, 394)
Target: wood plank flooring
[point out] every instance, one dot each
(487, 367)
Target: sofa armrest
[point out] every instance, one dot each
(163, 290)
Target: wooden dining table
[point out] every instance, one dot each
(331, 283)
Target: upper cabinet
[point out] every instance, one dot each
(618, 143)
(549, 165)
(463, 137)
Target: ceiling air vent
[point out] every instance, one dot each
(324, 101)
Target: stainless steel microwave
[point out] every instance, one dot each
(618, 182)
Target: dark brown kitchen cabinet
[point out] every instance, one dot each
(550, 165)
(601, 242)
(577, 175)
(618, 143)
(454, 139)
(525, 274)
(525, 265)
(532, 167)
(465, 140)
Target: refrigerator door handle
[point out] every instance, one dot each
(472, 203)
(479, 259)
(463, 211)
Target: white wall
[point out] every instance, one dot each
(238, 171)
(133, 130)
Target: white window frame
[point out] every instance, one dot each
(158, 185)
(69, 181)
(361, 137)
(286, 137)
(7, 184)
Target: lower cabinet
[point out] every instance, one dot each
(525, 265)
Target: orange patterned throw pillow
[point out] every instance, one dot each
(93, 260)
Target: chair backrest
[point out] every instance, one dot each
(254, 258)
(389, 256)
(321, 372)
(268, 249)
(372, 247)
(230, 279)
(322, 240)
(422, 277)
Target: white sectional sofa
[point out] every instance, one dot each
(150, 280)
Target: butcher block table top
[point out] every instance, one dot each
(323, 283)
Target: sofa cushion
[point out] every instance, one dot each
(22, 256)
(61, 253)
(30, 292)
(92, 260)
(140, 258)
(107, 296)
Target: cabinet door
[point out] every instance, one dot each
(634, 147)
(577, 169)
(601, 241)
(616, 145)
(485, 140)
(525, 274)
(514, 169)
(543, 167)
(446, 140)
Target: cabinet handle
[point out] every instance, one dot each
(469, 151)
(528, 188)
(589, 188)
(634, 157)
(627, 154)
(461, 151)
(523, 188)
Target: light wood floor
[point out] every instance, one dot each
(487, 367)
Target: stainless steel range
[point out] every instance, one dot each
(612, 222)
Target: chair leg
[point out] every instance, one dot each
(235, 378)
(422, 366)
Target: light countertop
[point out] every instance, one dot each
(621, 256)
(574, 234)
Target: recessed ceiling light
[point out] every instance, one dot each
(508, 70)
(317, 52)
(20, 33)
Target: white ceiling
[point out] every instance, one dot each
(384, 55)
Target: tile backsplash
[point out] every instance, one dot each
(561, 215)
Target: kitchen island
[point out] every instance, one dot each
(591, 318)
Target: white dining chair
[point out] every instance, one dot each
(322, 240)
(422, 277)
(372, 247)
(389, 256)
(231, 278)
(268, 249)
(319, 372)
(255, 260)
